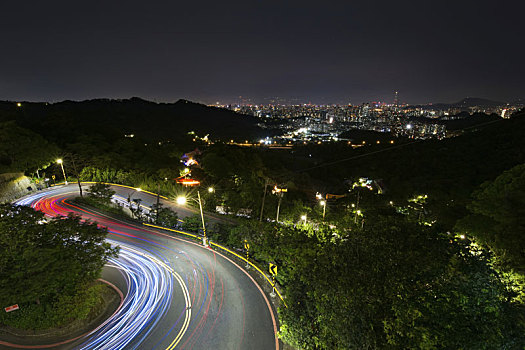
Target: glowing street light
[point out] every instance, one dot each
(280, 192)
(59, 161)
(303, 217)
(323, 203)
(181, 200)
(211, 189)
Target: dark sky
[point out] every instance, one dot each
(319, 52)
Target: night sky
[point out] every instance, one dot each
(207, 51)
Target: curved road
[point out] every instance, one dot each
(177, 294)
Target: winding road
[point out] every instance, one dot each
(176, 293)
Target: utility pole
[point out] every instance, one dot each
(264, 197)
(279, 206)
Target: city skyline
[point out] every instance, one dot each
(208, 52)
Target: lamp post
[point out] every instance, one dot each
(182, 200)
(323, 203)
(59, 161)
(204, 239)
(304, 218)
(280, 192)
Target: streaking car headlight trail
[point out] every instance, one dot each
(174, 293)
(150, 284)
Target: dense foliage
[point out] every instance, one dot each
(47, 262)
(392, 284)
(163, 216)
(497, 217)
(101, 192)
(23, 150)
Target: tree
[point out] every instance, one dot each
(497, 217)
(40, 261)
(23, 150)
(192, 223)
(395, 284)
(163, 216)
(101, 192)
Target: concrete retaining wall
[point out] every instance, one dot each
(13, 186)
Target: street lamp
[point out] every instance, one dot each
(211, 189)
(280, 192)
(59, 161)
(304, 218)
(323, 203)
(181, 200)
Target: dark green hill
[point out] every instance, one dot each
(63, 122)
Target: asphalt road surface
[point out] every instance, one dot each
(177, 294)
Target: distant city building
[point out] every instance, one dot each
(322, 123)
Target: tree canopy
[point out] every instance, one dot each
(395, 284)
(23, 150)
(41, 260)
(497, 217)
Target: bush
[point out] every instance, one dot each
(66, 309)
(101, 192)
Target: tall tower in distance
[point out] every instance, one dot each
(396, 99)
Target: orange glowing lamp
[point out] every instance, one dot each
(188, 182)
